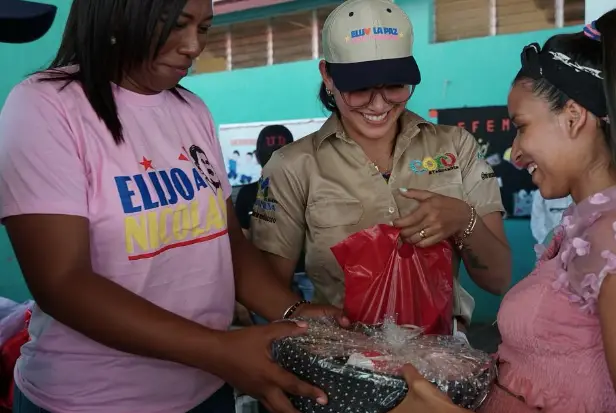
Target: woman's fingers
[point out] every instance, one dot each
(428, 237)
(413, 219)
(411, 375)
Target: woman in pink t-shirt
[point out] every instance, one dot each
(114, 195)
(559, 331)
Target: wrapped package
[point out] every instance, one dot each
(386, 278)
(360, 368)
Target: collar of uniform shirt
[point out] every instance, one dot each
(333, 127)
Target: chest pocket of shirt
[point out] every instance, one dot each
(329, 221)
(332, 213)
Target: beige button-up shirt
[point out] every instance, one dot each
(322, 188)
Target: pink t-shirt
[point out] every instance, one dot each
(156, 206)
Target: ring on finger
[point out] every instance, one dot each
(423, 234)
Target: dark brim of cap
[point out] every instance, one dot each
(24, 21)
(363, 75)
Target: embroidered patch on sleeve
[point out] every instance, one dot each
(265, 205)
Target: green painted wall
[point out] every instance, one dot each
(16, 62)
(474, 72)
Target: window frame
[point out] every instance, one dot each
(559, 21)
(317, 20)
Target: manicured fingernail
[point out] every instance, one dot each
(391, 223)
(403, 189)
(301, 324)
(322, 400)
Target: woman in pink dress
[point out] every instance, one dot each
(558, 327)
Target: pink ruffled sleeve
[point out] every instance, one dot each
(588, 259)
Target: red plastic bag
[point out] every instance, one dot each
(387, 278)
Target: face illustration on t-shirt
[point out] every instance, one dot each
(168, 208)
(204, 166)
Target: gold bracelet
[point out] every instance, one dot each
(292, 309)
(469, 229)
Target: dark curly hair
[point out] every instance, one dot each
(600, 55)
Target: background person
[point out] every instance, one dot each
(546, 215)
(270, 139)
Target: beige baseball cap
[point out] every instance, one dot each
(368, 43)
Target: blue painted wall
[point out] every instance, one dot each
(474, 72)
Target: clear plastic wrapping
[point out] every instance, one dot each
(359, 368)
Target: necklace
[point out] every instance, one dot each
(388, 162)
(383, 170)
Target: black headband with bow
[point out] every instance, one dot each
(581, 83)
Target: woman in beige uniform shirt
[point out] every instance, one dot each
(375, 162)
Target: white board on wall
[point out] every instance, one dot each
(238, 142)
(597, 8)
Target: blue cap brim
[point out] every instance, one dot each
(24, 21)
(364, 75)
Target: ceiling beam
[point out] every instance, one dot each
(232, 6)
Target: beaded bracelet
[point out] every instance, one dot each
(291, 310)
(469, 229)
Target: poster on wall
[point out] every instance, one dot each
(239, 140)
(494, 132)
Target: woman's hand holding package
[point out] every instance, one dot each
(437, 218)
(310, 310)
(245, 362)
(423, 396)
